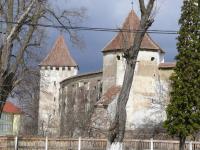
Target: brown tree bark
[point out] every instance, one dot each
(117, 128)
(182, 143)
(7, 75)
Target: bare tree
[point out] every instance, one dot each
(20, 20)
(27, 92)
(117, 127)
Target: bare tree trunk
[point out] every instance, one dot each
(6, 74)
(6, 81)
(182, 143)
(9, 16)
(20, 19)
(117, 127)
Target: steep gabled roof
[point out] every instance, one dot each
(59, 56)
(11, 108)
(125, 39)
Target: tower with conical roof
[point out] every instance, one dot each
(56, 66)
(146, 78)
(113, 61)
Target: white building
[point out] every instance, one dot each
(149, 88)
(57, 66)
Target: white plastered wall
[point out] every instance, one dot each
(109, 70)
(140, 109)
(49, 97)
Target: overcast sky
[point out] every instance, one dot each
(111, 14)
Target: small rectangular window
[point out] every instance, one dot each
(51, 68)
(54, 111)
(69, 68)
(57, 68)
(118, 57)
(63, 68)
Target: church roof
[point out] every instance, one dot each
(59, 56)
(125, 39)
(109, 95)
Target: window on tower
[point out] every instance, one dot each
(118, 57)
(152, 58)
(54, 111)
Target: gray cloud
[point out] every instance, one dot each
(111, 14)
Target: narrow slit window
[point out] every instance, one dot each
(118, 57)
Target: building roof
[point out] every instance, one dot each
(9, 107)
(76, 77)
(109, 95)
(167, 65)
(59, 56)
(125, 40)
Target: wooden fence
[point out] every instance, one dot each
(27, 143)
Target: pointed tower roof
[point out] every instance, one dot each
(59, 56)
(126, 39)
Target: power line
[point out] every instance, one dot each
(79, 28)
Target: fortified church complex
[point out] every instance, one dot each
(70, 102)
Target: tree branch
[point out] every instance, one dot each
(142, 7)
(6, 50)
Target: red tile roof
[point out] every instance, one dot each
(11, 108)
(108, 97)
(167, 65)
(124, 38)
(59, 55)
